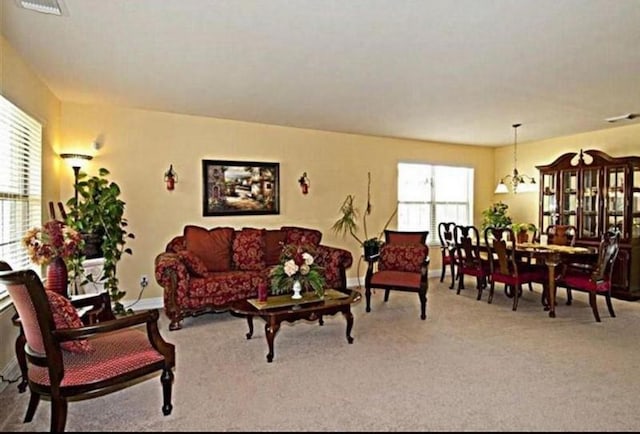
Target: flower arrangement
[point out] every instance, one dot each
(53, 240)
(297, 262)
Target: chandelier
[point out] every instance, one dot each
(519, 182)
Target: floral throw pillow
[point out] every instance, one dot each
(403, 257)
(65, 316)
(248, 250)
(194, 264)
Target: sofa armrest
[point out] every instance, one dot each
(335, 262)
(172, 274)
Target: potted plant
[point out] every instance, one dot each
(521, 231)
(347, 224)
(496, 215)
(99, 212)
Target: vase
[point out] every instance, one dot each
(297, 290)
(57, 277)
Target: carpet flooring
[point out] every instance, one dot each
(470, 366)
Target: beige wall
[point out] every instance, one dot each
(619, 141)
(138, 146)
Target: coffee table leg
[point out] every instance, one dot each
(250, 324)
(270, 330)
(349, 316)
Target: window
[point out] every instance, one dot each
(428, 195)
(20, 184)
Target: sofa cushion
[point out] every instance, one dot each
(65, 316)
(212, 246)
(194, 264)
(297, 235)
(403, 257)
(248, 250)
(274, 240)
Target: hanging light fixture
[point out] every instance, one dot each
(519, 182)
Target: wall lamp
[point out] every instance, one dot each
(77, 162)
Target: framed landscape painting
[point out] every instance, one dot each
(240, 187)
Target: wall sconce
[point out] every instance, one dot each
(77, 162)
(170, 178)
(305, 183)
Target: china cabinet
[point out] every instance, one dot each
(595, 192)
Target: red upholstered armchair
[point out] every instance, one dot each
(402, 265)
(68, 360)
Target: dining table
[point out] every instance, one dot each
(553, 255)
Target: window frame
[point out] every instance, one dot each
(431, 202)
(20, 188)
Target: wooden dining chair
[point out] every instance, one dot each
(505, 266)
(468, 259)
(445, 235)
(598, 280)
(563, 235)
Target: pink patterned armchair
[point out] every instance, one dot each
(68, 361)
(203, 270)
(403, 265)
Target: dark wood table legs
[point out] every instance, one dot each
(272, 324)
(552, 260)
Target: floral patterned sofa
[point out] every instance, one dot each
(203, 270)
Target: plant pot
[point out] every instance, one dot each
(522, 237)
(92, 246)
(371, 250)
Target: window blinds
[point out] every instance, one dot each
(20, 183)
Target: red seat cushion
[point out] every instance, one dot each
(396, 278)
(584, 282)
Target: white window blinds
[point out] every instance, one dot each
(20, 183)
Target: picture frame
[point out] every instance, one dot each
(240, 188)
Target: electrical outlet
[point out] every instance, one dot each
(144, 281)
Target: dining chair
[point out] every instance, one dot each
(564, 235)
(402, 265)
(598, 280)
(468, 259)
(68, 361)
(505, 266)
(445, 234)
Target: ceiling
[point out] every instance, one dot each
(449, 71)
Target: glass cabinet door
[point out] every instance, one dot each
(589, 206)
(635, 204)
(615, 191)
(549, 201)
(569, 185)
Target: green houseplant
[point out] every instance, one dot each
(496, 215)
(348, 224)
(521, 231)
(99, 212)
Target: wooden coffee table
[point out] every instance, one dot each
(282, 308)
